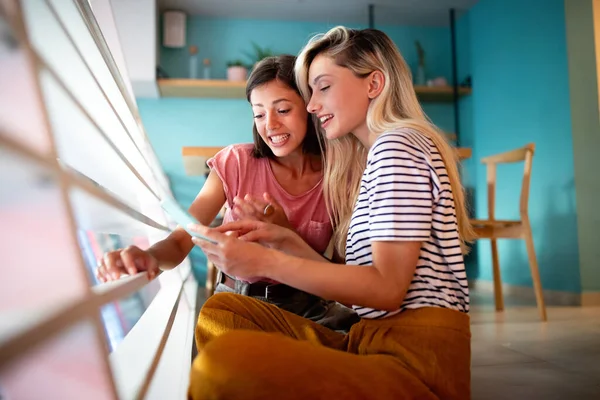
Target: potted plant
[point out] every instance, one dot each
(420, 76)
(258, 53)
(236, 71)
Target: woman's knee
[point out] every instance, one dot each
(220, 301)
(210, 316)
(221, 313)
(227, 367)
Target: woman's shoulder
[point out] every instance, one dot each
(242, 152)
(234, 157)
(244, 149)
(403, 140)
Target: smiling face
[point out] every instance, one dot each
(280, 117)
(339, 98)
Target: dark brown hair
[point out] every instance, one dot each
(280, 68)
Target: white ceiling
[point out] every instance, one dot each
(402, 12)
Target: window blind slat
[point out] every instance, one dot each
(44, 323)
(53, 47)
(130, 364)
(95, 215)
(40, 258)
(68, 17)
(18, 157)
(171, 378)
(20, 110)
(69, 367)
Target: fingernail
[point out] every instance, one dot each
(115, 275)
(236, 199)
(119, 263)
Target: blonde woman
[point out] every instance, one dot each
(393, 190)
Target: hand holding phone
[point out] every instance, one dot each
(182, 218)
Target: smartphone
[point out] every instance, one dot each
(182, 218)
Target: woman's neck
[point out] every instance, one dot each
(364, 136)
(298, 163)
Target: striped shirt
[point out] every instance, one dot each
(405, 195)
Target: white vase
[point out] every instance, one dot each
(193, 67)
(237, 74)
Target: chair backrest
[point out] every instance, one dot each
(463, 153)
(525, 154)
(195, 157)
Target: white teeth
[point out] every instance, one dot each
(326, 118)
(279, 138)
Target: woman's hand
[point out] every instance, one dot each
(273, 236)
(267, 234)
(235, 257)
(126, 261)
(251, 208)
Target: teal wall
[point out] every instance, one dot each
(172, 123)
(586, 136)
(467, 137)
(517, 56)
(222, 40)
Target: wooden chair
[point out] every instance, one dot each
(500, 229)
(211, 278)
(464, 153)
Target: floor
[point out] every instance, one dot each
(515, 356)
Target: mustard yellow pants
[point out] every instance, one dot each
(249, 349)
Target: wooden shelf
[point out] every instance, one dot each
(203, 88)
(223, 89)
(464, 153)
(197, 151)
(194, 159)
(439, 94)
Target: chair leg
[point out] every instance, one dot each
(498, 298)
(535, 273)
(211, 276)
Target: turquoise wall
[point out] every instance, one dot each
(517, 55)
(172, 123)
(586, 135)
(222, 40)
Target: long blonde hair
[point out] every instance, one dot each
(365, 51)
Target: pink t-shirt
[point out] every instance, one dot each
(243, 174)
